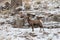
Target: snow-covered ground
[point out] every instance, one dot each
(26, 34)
(7, 32)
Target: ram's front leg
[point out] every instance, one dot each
(32, 28)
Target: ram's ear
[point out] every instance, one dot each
(50, 15)
(40, 17)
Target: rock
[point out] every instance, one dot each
(32, 34)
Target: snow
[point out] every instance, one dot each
(7, 32)
(10, 33)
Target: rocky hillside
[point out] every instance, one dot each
(15, 27)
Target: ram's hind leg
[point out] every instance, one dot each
(41, 26)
